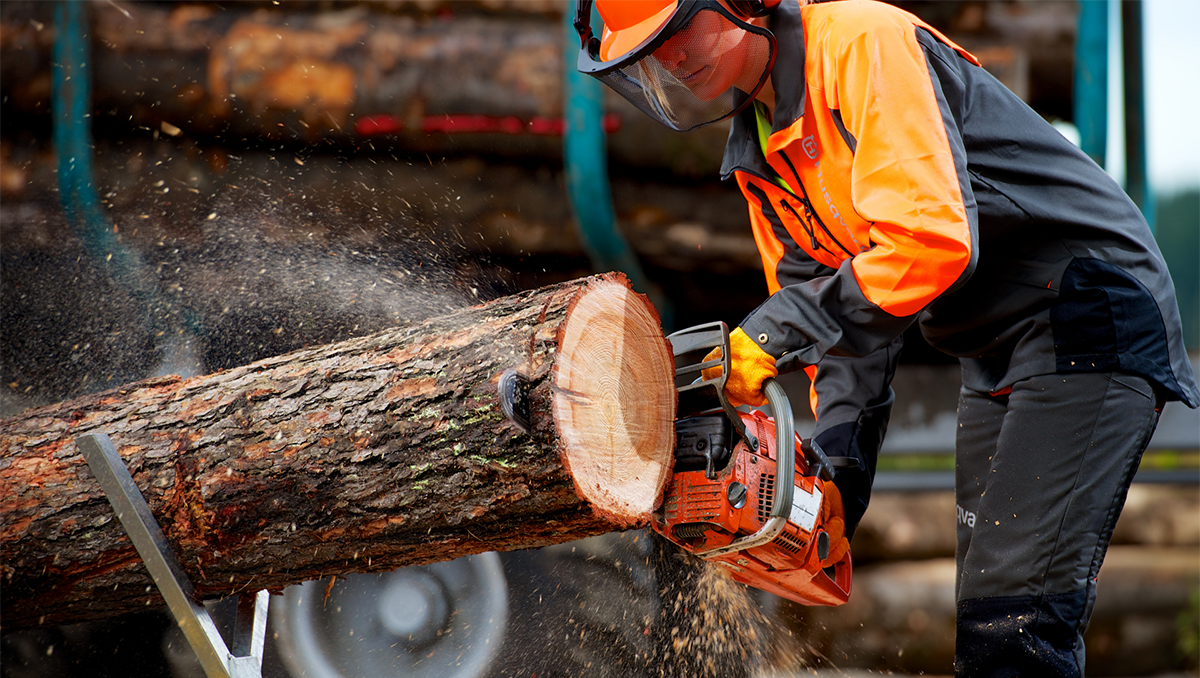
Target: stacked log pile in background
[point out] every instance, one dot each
(427, 77)
(462, 78)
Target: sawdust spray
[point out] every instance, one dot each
(263, 259)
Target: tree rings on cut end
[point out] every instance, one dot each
(614, 401)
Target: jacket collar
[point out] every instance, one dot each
(742, 150)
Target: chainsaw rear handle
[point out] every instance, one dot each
(785, 448)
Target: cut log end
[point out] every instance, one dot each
(614, 401)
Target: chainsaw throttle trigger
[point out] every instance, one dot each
(821, 465)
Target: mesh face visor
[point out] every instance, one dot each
(702, 66)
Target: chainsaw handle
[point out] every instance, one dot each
(696, 393)
(785, 448)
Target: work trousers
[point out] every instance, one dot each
(1041, 477)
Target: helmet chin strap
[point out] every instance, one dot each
(766, 94)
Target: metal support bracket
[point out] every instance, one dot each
(250, 627)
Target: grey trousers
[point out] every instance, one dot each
(1041, 477)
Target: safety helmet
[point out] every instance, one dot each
(685, 63)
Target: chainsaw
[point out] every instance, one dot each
(734, 498)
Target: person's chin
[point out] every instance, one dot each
(707, 91)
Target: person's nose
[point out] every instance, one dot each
(671, 54)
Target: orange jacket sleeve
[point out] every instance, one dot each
(909, 173)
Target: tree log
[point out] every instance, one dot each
(365, 455)
(459, 82)
(425, 77)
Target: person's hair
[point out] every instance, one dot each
(653, 89)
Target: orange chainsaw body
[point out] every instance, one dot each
(718, 505)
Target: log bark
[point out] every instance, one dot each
(365, 455)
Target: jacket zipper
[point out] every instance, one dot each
(808, 208)
(806, 223)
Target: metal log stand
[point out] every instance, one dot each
(249, 630)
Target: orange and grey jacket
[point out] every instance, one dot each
(901, 182)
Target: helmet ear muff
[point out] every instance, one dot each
(750, 9)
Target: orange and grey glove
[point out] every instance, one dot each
(749, 367)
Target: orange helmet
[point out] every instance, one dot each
(685, 63)
(629, 24)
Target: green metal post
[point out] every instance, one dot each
(72, 115)
(1091, 78)
(73, 138)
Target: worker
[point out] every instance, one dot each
(891, 180)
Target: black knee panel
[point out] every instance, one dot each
(1027, 636)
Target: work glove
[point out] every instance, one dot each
(749, 367)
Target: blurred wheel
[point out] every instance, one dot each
(444, 620)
